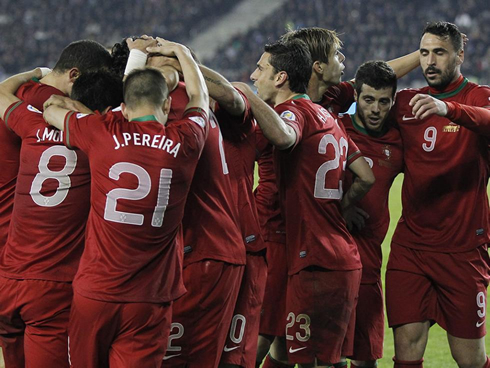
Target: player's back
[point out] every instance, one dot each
(310, 177)
(52, 194)
(35, 94)
(211, 220)
(141, 173)
(445, 171)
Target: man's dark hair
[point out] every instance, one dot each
(145, 86)
(98, 90)
(86, 55)
(120, 55)
(446, 30)
(293, 58)
(376, 74)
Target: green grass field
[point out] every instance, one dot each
(437, 354)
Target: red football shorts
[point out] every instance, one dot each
(370, 323)
(241, 344)
(273, 316)
(202, 316)
(104, 334)
(36, 312)
(447, 288)
(320, 304)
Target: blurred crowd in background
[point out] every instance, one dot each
(34, 32)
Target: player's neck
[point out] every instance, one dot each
(457, 80)
(139, 113)
(286, 95)
(317, 88)
(57, 81)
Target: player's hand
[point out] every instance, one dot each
(167, 48)
(159, 61)
(66, 103)
(141, 43)
(355, 218)
(243, 87)
(425, 105)
(465, 39)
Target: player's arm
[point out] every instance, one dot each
(9, 86)
(280, 134)
(138, 54)
(194, 81)
(169, 67)
(472, 117)
(405, 64)
(56, 107)
(363, 182)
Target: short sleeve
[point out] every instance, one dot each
(353, 153)
(294, 118)
(80, 130)
(192, 129)
(20, 118)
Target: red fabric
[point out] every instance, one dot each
(445, 172)
(428, 283)
(141, 175)
(202, 317)
(118, 335)
(35, 94)
(273, 315)
(310, 177)
(211, 220)
(271, 363)
(408, 364)
(42, 324)
(385, 157)
(320, 306)
(53, 187)
(241, 344)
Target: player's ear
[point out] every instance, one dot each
(166, 105)
(124, 110)
(73, 74)
(460, 57)
(317, 67)
(106, 110)
(281, 78)
(355, 95)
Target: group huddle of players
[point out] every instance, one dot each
(131, 234)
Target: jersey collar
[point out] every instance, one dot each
(363, 130)
(145, 118)
(451, 90)
(304, 95)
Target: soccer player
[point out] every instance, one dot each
(368, 221)
(52, 187)
(323, 262)
(76, 59)
(131, 269)
(439, 268)
(214, 249)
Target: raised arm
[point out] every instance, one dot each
(194, 81)
(9, 86)
(405, 64)
(56, 107)
(274, 128)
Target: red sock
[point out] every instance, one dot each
(270, 362)
(487, 363)
(408, 364)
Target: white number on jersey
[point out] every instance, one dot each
(143, 189)
(62, 176)
(430, 135)
(340, 148)
(480, 302)
(224, 165)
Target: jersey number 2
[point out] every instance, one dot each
(340, 148)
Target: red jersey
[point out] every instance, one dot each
(444, 193)
(141, 174)
(46, 235)
(384, 154)
(338, 98)
(244, 143)
(310, 180)
(211, 222)
(35, 94)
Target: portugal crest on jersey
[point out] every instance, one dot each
(387, 152)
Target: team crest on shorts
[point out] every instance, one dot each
(288, 115)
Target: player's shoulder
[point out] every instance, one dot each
(408, 93)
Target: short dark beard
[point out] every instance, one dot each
(446, 78)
